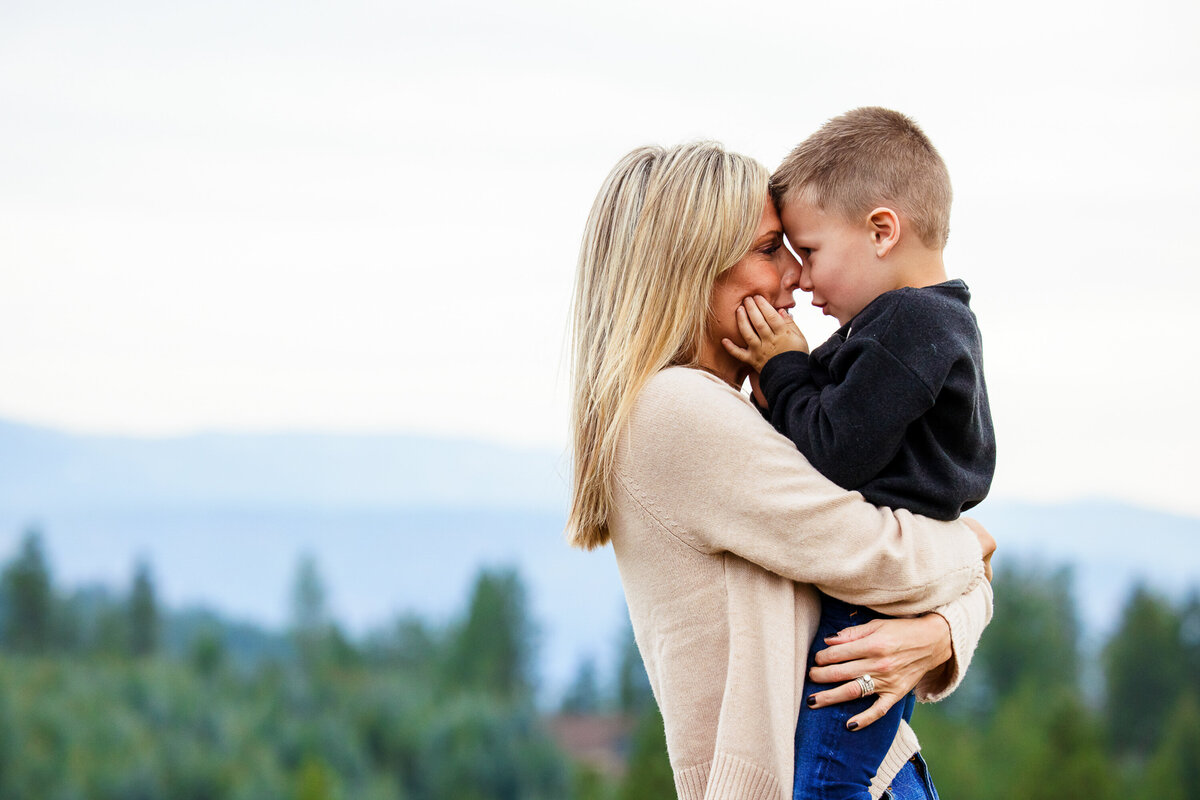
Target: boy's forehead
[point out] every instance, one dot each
(799, 214)
(803, 217)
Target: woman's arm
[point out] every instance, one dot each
(930, 653)
(714, 474)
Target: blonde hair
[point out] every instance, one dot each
(665, 224)
(866, 158)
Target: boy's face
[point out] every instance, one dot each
(839, 265)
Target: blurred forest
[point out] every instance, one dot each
(105, 694)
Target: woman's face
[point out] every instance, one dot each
(770, 270)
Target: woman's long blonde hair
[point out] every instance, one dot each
(666, 223)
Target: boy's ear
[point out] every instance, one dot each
(884, 226)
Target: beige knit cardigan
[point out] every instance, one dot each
(721, 529)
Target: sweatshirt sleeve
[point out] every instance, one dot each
(714, 474)
(851, 428)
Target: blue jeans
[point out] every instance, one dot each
(833, 763)
(912, 782)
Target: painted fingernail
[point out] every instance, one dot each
(852, 725)
(812, 700)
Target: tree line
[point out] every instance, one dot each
(1043, 714)
(108, 695)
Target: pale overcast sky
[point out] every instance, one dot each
(365, 215)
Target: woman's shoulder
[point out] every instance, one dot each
(687, 392)
(689, 384)
(683, 404)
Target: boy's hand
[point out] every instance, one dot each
(767, 333)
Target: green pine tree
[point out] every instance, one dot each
(649, 776)
(143, 614)
(1072, 761)
(29, 598)
(1033, 636)
(583, 695)
(492, 650)
(310, 615)
(1174, 771)
(1145, 671)
(634, 694)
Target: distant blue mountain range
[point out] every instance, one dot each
(43, 469)
(402, 524)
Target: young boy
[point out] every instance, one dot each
(894, 404)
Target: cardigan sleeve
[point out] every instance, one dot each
(701, 461)
(967, 616)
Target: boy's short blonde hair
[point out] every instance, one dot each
(866, 158)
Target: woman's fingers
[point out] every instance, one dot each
(851, 644)
(852, 691)
(880, 707)
(986, 543)
(884, 700)
(846, 670)
(838, 694)
(854, 633)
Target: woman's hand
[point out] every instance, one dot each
(986, 542)
(896, 653)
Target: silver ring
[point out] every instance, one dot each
(866, 685)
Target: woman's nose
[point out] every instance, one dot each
(804, 279)
(789, 277)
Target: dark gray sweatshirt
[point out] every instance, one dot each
(894, 403)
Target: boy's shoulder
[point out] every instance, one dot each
(928, 328)
(950, 297)
(928, 311)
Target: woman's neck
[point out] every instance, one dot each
(713, 358)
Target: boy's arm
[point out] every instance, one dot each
(852, 427)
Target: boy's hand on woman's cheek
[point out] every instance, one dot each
(767, 333)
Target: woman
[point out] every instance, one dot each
(720, 527)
